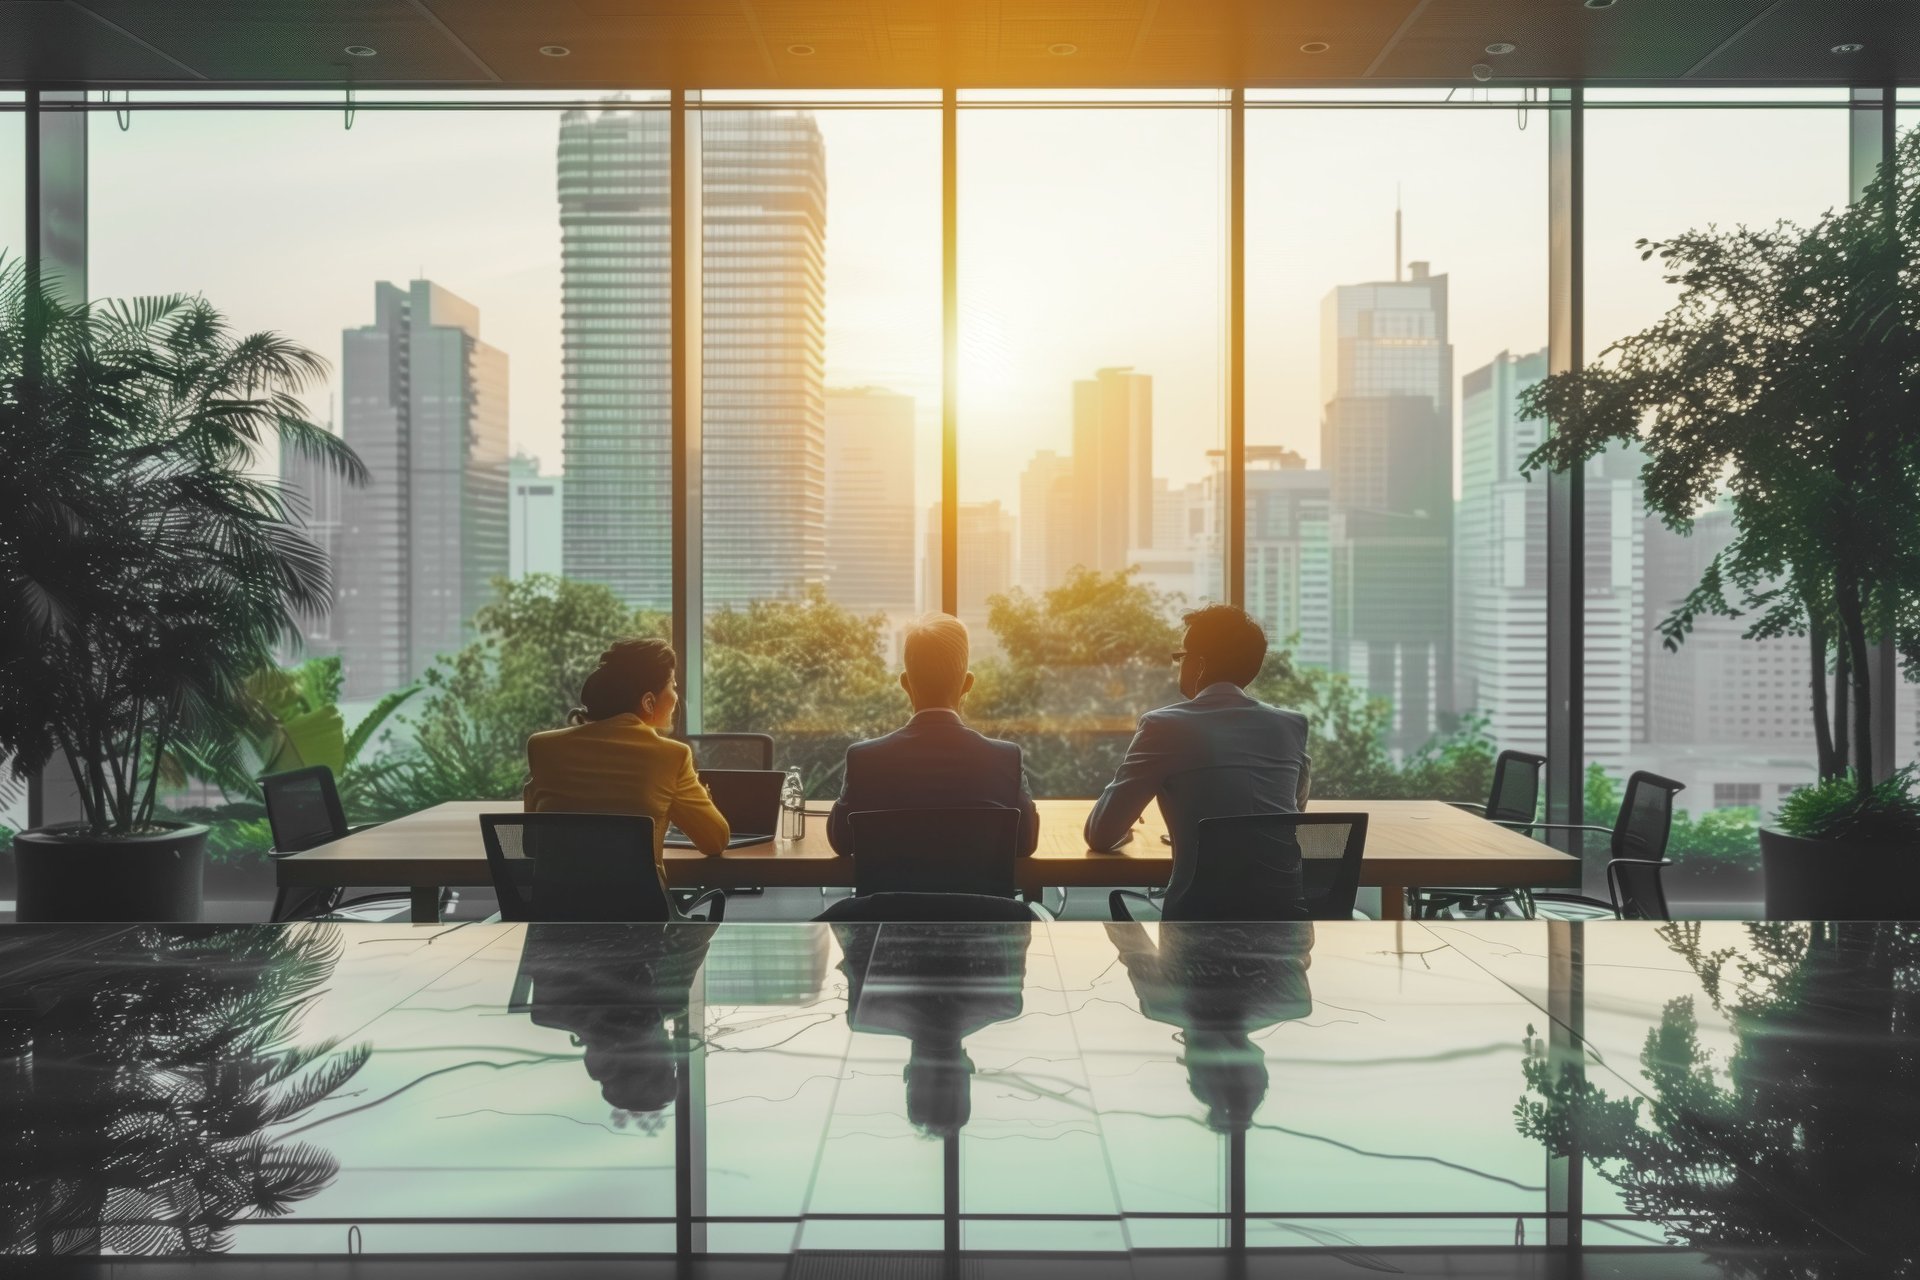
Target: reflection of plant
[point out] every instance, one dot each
(1805, 1162)
(145, 569)
(1837, 809)
(162, 1062)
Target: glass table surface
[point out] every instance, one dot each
(1061, 1087)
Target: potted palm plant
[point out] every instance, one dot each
(146, 570)
(1781, 384)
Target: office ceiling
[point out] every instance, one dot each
(1024, 44)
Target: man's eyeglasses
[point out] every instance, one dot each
(1179, 656)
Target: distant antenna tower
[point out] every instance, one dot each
(1398, 257)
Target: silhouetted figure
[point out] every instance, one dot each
(934, 761)
(1220, 984)
(1219, 754)
(935, 985)
(614, 988)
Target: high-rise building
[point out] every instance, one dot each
(1289, 545)
(870, 507)
(616, 352)
(536, 518)
(763, 189)
(1112, 467)
(425, 407)
(1386, 442)
(1500, 575)
(984, 541)
(1048, 540)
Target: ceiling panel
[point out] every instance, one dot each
(295, 39)
(649, 43)
(1562, 39)
(51, 40)
(1800, 34)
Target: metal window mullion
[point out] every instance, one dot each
(1566, 492)
(1870, 141)
(684, 217)
(949, 355)
(1234, 554)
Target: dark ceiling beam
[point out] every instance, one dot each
(1733, 39)
(127, 35)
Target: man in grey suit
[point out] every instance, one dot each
(1218, 754)
(934, 761)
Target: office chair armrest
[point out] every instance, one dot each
(1570, 826)
(716, 903)
(1468, 805)
(1117, 904)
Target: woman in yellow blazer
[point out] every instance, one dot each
(615, 757)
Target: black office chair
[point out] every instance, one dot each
(944, 908)
(1637, 842)
(1513, 801)
(1319, 853)
(936, 851)
(731, 750)
(582, 866)
(304, 812)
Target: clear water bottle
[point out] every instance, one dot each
(793, 806)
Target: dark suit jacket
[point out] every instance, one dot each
(934, 761)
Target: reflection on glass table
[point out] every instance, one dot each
(1059, 1090)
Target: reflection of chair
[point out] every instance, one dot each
(303, 812)
(1512, 801)
(877, 908)
(1265, 866)
(936, 851)
(731, 750)
(581, 866)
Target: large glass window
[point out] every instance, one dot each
(13, 800)
(1092, 296)
(1396, 305)
(821, 439)
(1728, 716)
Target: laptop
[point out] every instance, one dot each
(749, 799)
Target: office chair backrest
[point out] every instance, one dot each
(731, 750)
(1271, 866)
(575, 866)
(1636, 888)
(935, 851)
(303, 808)
(886, 908)
(1515, 796)
(1645, 823)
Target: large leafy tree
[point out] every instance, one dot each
(1781, 382)
(146, 568)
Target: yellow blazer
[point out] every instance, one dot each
(620, 765)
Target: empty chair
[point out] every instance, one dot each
(885, 908)
(1637, 842)
(1314, 858)
(731, 750)
(303, 812)
(1512, 801)
(936, 851)
(581, 866)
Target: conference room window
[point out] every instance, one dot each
(1720, 702)
(1092, 363)
(1396, 291)
(487, 289)
(13, 800)
(821, 421)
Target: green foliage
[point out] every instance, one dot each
(1835, 809)
(1091, 620)
(1726, 839)
(146, 570)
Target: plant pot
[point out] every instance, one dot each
(1840, 879)
(66, 874)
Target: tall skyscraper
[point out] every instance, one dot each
(536, 518)
(425, 407)
(870, 508)
(1048, 540)
(1386, 442)
(1112, 467)
(984, 542)
(616, 351)
(1290, 535)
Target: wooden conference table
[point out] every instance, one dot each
(1409, 843)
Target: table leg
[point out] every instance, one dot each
(1393, 902)
(426, 903)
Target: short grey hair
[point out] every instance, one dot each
(936, 655)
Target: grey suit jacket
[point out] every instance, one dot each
(934, 761)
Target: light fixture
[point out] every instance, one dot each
(1063, 49)
(1315, 46)
(1482, 72)
(1501, 48)
(360, 50)
(555, 50)
(1849, 47)
(1599, 4)
(800, 50)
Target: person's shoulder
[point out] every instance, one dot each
(549, 737)
(1285, 715)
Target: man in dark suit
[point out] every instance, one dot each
(934, 761)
